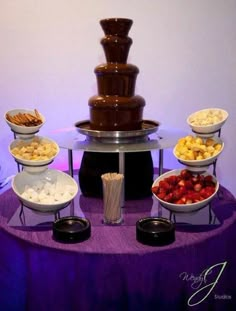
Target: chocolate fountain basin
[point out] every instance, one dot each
(116, 137)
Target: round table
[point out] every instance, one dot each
(111, 270)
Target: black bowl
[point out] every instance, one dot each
(155, 231)
(71, 229)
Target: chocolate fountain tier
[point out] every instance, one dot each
(116, 26)
(116, 113)
(116, 79)
(116, 48)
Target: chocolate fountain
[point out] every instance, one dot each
(116, 116)
(116, 107)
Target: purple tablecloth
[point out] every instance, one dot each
(111, 270)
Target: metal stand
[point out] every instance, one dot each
(18, 164)
(22, 214)
(212, 220)
(161, 158)
(164, 140)
(70, 162)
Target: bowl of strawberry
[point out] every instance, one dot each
(184, 191)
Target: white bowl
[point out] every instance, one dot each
(184, 208)
(207, 121)
(46, 181)
(200, 165)
(33, 164)
(21, 130)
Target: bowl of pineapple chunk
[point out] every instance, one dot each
(198, 153)
(34, 153)
(207, 121)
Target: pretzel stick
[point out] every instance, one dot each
(22, 118)
(18, 119)
(37, 115)
(11, 119)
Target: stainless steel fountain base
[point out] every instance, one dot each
(118, 137)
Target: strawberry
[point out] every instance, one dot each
(161, 195)
(209, 190)
(189, 201)
(201, 179)
(181, 183)
(208, 181)
(183, 190)
(195, 197)
(164, 184)
(168, 197)
(184, 199)
(208, 178)
(194, 179)
(155, 189)
(197, 187)
(178, 193)
(185, 174)
(180, 202)
(173, 180)
(188, 185)
(190, 197)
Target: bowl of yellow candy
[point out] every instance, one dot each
(207, 121)
(198, 153)
(34, 153)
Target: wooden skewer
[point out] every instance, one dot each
(112, 186)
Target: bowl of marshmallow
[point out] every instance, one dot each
(47, 191)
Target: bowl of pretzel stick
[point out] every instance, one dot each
(24, 122)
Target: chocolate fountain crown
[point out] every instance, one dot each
(116, 26)
(116, 107)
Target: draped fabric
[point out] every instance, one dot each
(111, 270)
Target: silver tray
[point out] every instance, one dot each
(148, 127)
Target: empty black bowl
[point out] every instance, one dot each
(71, 229)
(155, 231)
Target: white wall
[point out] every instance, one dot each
(185, 50)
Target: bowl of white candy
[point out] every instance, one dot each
(48, 191)
(207, 121)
